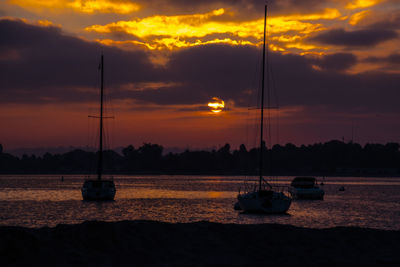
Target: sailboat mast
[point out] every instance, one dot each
(262, 100)
(100, 164)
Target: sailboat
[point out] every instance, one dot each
(99, 189)
(263, 199)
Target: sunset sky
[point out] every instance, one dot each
(335, 71)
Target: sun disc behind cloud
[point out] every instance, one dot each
(216, 105)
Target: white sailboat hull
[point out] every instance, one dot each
(277, 202)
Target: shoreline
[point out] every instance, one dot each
(132, 243)
(292, 175)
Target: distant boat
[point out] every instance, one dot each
(264, 199)
(99, 189)
(305, 188)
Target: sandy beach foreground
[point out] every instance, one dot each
(143, 243)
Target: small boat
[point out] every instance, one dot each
(265, 198)
(306, 188)
(99, 189)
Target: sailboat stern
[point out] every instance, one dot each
(98, 190)
(264, 201)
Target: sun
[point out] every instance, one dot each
(216, 105)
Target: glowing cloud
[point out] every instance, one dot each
(354, 19)
(82, 6)
(171, 43)
(301, 46)
(329, 13)
(159, 32)
(46, 23)
(184, 25)
(362, 4)
(200, 25)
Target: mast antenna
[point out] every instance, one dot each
(262, 101)
(100, 164)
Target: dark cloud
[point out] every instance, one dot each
(216, 70)
(362, 38)
(300, 84)
(385, 21)
(393, 59)
(228, 72)
(43, 63)
(336, 62)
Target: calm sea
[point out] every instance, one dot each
(45, 200)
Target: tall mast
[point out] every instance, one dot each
(262, 100)
(100, 164)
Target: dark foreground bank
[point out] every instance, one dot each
(132, 243)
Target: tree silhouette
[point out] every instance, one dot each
(330, 158)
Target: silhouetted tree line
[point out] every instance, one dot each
(330, 158)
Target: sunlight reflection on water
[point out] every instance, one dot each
(44, 200)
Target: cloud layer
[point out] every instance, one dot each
(330, 62)
(368, 37)
(42, 63)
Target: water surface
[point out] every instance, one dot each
(45, 200)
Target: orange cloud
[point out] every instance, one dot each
(301, 46)
(200, 25)
(362, 4)
(357, 17)
(170, 32)
(45, 22)
(171, 43)
(81, 6)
